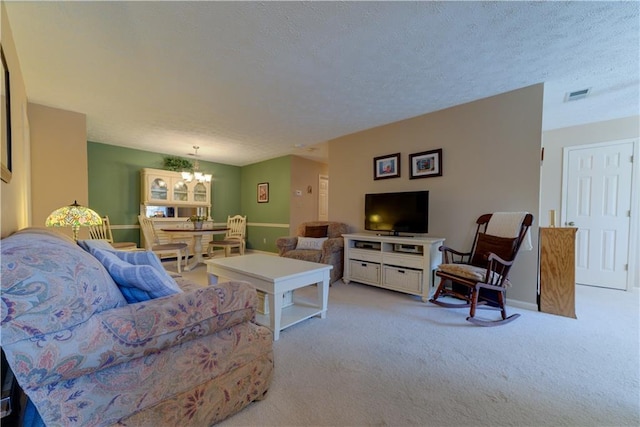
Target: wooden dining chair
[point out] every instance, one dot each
(234, 238)
(103, 232)
(162, 249)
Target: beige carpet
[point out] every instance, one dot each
(386, 359)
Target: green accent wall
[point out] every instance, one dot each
(114, 185)
(265, 217)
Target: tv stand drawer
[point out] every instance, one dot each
(406, 279)
(409, 261)
(366, 255)
(365, 271)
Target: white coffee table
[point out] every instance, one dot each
(274, 276)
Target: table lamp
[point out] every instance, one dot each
(74, 216)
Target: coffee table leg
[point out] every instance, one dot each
(275, 316)
(323, 295)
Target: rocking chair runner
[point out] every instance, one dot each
(480, 277)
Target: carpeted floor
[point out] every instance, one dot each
(385, 358)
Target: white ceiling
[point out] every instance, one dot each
(250, 81)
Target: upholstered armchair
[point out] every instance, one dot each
(317, 241)
(86, 355)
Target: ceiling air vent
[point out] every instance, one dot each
(577, 94)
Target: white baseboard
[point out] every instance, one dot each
(522, 304)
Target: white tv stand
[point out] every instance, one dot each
(404, 264)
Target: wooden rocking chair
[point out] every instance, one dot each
(480, 277)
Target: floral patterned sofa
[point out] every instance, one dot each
(86, 357)
(317, 241)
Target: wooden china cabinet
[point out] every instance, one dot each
(167, 188)
(170, 201)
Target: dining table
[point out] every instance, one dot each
(196, 237)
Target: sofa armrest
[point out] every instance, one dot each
(286, 244)
(136, 330)
(331, 246)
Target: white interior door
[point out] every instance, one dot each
(323, 198)
(597, 200)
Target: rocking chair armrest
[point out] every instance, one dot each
(493, 257)
(497, 272)
(449, 253)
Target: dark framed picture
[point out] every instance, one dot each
(263, 192)
(425, 164)
(386, 166)
(5, 107)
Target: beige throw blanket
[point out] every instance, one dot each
(507, 224)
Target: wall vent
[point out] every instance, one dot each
(576, 94)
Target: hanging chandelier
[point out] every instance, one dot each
(189, 176)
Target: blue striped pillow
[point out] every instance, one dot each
(140, 258)
(137, 282)
(143, 258)
(132, 257)
(90, 245)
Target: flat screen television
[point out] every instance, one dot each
(394, 213)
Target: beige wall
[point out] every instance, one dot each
(556, 140)
(304, 174)
(491, 162)
(15, 211)
(59, 161)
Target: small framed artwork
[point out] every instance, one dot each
(5, 107)
(426, 164)
(263, 192)
(386, 166)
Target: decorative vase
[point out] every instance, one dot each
(197, 225)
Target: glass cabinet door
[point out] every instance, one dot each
(158, 189)
(200, 192)
(180, 192)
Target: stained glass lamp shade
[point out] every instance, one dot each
(74, 216)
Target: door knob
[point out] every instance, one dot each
(570, 223)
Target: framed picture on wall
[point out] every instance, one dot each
(425, 164)
(386, 166)
(263, 192)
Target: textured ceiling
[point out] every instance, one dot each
(250, 81)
